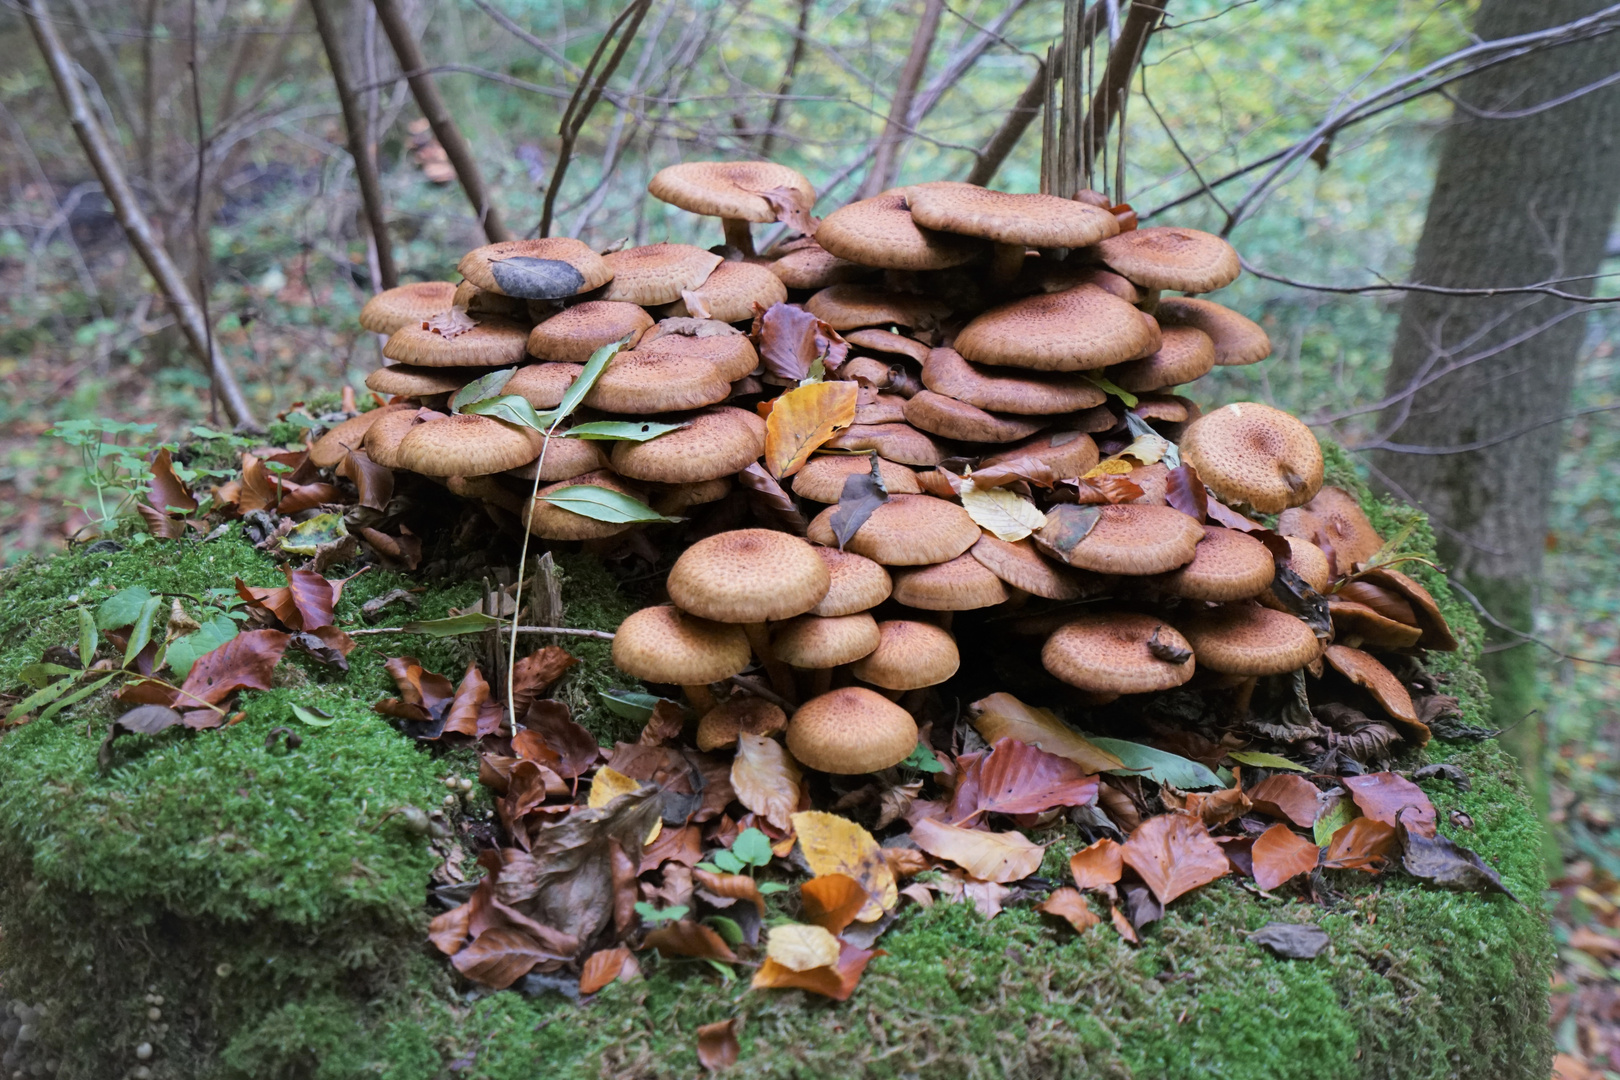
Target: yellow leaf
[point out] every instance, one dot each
(802, 419)
(766, 779)
(835, 845)
(1002, 716)
(1145, 450)
(1001, 511)
(607, 785)
(799, 947)
(988, 856)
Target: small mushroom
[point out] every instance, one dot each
(851, 730)
(667, 645)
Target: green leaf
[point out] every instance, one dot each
(307, 538)
(1108, 387)
(603, 504)
(482, 388)
(621, 430)
(121, 608)
(184, 652)
(474, 622)
(631, 704)
(1157, 765)
(575, 394)
(728, 929)
(651, 914)
(142, 633)
(77, 696)
(509, 407)
(710, 868)
(728, 862)
(1343, 812)
(726, 974)
(1265, 761)
(88, 637)
(752, 847)
(40, 697)
(923, 758)
(40, 675)
(312, 717)
(767, 888)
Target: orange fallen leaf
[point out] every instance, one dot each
(1383, 795)
(1281, 854)
(1123, 925)
(1002, 716)
(717, 1044)
(1219, 807)
(687, 938)
(984, 895)
(804, 418)
(836, 982)
(832, 901)
(1288, 796)
(1363, 844)
(1068, 904)
(500, 956)
(1017, 778)
(801, 946)
(602, 967)
(988, 856)
(736, 886)
(1097, 865)
(1174, 854)
(920, 894)
(906, 862)
(766, 779)
(835, 845)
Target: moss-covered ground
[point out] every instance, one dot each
(274, 899)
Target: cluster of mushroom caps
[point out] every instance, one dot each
(994, 339)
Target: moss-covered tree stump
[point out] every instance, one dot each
(259, 913)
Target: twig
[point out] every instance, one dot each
(886, 156)
(1420, 450)
(1126, 53)
(1524, 638)
(563, 631)
(760, 690)
(1543, 288)
(786, 84)
(126, 208)
(199, 228)
(409, 54)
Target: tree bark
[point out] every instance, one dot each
(1516, 200)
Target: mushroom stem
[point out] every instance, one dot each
(1006, 260)
(945, 619)
(1149, 302)
(820, 681)
(739, 235)
(701, 697)
(781, 675)
(1242, 696)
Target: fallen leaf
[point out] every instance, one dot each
(1363, 844)
(575, 747)
(1002, 716)
(832, 901)
(602, 967)
(802, 420)
(374, 484)
(862, 494)
(837, 982)
(1441, 861)
(791, 340)
(1031, 470)
(1122, 924)
(167, 492)
(988, 856)
(683, 845)
(664, 726)
(1280, 854)
(717, 1044)
(534, 674)
(835, 845)
(1066, 525)
(141, 720)
(985, 896)
(1160, 766)
(1383, 796)
(1017, 778)
(770, 501)
(1219, 807)
(906, 862)
(1186, 492)
(608, 784)
(500, 956)
(1097, 866)
(766, 779)
(687, 938)
(1001, 511)
(1288, 796)
(1068, 904)
(1174, 854)
(1292, 941)
(243, 663)
(734, 886)
(800, 947)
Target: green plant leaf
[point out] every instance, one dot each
(923, 758)
(728, 862)
(142, 633)
(474, 622)
(311, 717)
(631, 704)
(752, 847)
(1343, 812)
(575, 394)
(1108, 387)
(509, 407)
(603, 504)
(621, 430)
(89, 638)
(40, 675)
(1263, 760)
(121, 608)
(307, 538)
(767, 888)
(42, 696)
(709, 868)
(77, 696)
(482, 388)
(183, 652)
(728, 929)
(1157, 765)
(727, 976)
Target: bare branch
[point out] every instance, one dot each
(886, 156)
(1109, 99)
(1544, 288)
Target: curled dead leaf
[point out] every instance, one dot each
(832, 901)
(1096, 866)
(837, 982)
(717, 1046)
(1279, 855)
(602, 967)
(1069, 905)
(836, 845)
(988, 856)
(1174, 854)
(766, 779)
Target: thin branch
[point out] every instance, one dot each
(1540, 289)
(1481, 444)
(1524, 638)
(562, 631)
(785, 86)
(962, 61)
(886, 157)
(1109, 99)
(1530, 110)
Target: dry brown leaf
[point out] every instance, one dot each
(906, 862)
(1280, 854)
(1002, 716)
(766, 779)
(920, 894)
(1123, 925)
(837, 982)
(986, 896)
(687, 938)
(801, 947)
(832, 901)
(1017, 778)
(988, 856)
(717, 1044)
(1288, 796)
(601, 968)
(1097, 865)
(1364, 844)
(1174, 854)
(735, 886)
(835, 845)
(607, 785)
(1068, 904)
(804, 418)
(1383, 795)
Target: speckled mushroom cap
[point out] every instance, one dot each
(822, 478)
(893, 442)
(887, 341)
(881, 409)
(953, 419)
(910, 655)
(815, 642)
(382, 438)
(850, 307)
(1334, 520)
(476, 301)
(464, 444)
(1247, 639)
(717, 441)
(1048, 275)
(543, 385)
(856, 583)
(880, 232)
(962, 584)
(1007, 390)
(571, 335)
(1251, 453)
(1237, 340)
(666, 645)
(1078, 329)
(867, 370)
(1357, 624)
(549, 521)
(907, 530)
(565, 458)
(1043, 221)
(1070, 453)
(808, 265)
(656, 273)
(1170, 257)
(748, 576)
(729, 189)
(731, 354)
(1110, 653)
(1436, 631)
(1165, 408)
(1133, 539)
(641, 383)
(850, 731)
(740, 713)
(491, 343)
(1365, 670)
(1309, 562)
(409, 381)
(1184, 354)
(731, 291)
(588, 269)
(1022, 567)
(339, 439)
(1227, 565)
(406, 305)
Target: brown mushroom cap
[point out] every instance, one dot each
(1184, 354)
(1022, 567)
(1070, 453)
(717, 441)
(589, 270)
(887, 341)
(678, 498)
(1110, 653)
(1042, 221)
(910, 655)
(1365, 670)
(1165, 408)
(408, 381)
(543, 385)
(1237, 340)
(382, 438)
(748, 576)
(822, 478)
(732, 354)
(1134, 539)
(893, 442)
(1357, 624)
(464, 444)
(962, 584)
(1049, 275)
(952, 419)
(1333, 518)
(906, 530)
(574, 333)
(1436, 631)
(486, 489)
(849, 731)
(815, 642)
(730, 189)
(1251, 453)
(1007, 390)
(564, 458)
(1079, 329)
(741, 713)
(339, 439)
(881, 409)
(1247, 639)
(731, 291)
(656, 273)
(645, 382)
(880, 232)
(406, 305)
(549, 521)
(1165, 257)
(1309, 562)
(808, 265)
(849, 307)
(666, 645)
(856, 583)
(492, 343)
(1227, 565)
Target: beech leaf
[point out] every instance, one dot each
(1280, 854)
(803, 419)
(1002, 716)
(1069, 905)
(766, 779)
(1292, 941)
(1097, 866)
(1383, 796)
(1016, 778)
(837, 982)
(800, 947)
(832, 901)
(1364, 844)
(717, 1044)
(836, 845)
(1174, 854)
(1288, 796)
(531, 278)
(988, 856)
(1001, 511)
(602, 967)
(863, 493)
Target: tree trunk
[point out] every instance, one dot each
(1517, 200)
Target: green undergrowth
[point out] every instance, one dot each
(275, 899)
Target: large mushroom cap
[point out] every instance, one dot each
(887, 341)
(564, 459)
(856, 583)
(910, 655)
(730, 189)
(715, 442)
(1070, 453)
(817, 642)
(731, 291)
(822, 478)
(880, 232)
(657, 273)
(382, 438)
(331, 447)
(949, 418)
(811, 266)
(642, 382)
(1184, 354)
(739, 714)
(1118, 653)
(1022, 567)
(406, 305)
(962, 584)
(1334, 519)
(1227, 565)
(893, 442)
(1247, 639)
(731, 353)
(748, 576)
(1367, 671)
(543, 385)
(406, 380)
(491, 342)
(476, 301)
(550, 521)
(1436, 631)
(1007, 390)
(1357, 624)
(851, 730)
(1041, 221)
(906, 530)
(1251, 453)
(464, 444)
(1164, 257)
(549, 269)
(1128, 538)
(666, 645)
(1237, 340)
(574, 333)
(850, 307)
(1079, 329)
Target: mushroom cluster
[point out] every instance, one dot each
(1020, 448)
